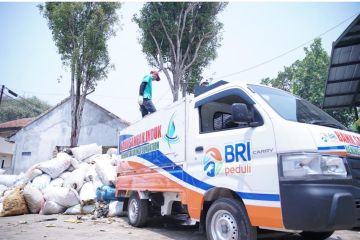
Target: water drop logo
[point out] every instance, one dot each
(212, 162)
(171, 137)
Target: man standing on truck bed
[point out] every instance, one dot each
(145, 93)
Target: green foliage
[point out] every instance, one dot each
(80, 31)
(11, 109)
(180, 38)
(306, 78)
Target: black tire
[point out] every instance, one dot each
(138, 211)
(315, 235)
(227, 213)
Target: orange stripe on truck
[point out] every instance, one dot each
(145, 179)
(265, 216)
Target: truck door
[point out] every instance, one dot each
(236, 156)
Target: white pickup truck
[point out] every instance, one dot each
(238, 158)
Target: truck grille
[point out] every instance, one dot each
(354, 165)
(357, 203)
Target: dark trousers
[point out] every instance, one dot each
(147, 107)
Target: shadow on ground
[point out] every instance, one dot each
(169, 228)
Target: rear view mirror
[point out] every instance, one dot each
(240, 113)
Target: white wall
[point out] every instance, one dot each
(36, 142)
(6, 154)
(6, 147)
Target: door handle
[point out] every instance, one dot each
(199, 149)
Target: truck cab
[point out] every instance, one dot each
(240, 157)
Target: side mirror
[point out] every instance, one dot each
(240, 113)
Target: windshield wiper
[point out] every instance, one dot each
(325, 123)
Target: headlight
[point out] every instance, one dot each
(299, 165)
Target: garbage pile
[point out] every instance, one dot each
(78, 181)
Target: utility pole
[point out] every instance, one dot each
(2, 91)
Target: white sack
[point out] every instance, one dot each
(92, 175)
(74, 210)
(28, 176)
(77, 209)
(88, 209)
(51, 208)
(75, 179)
(2, 171)
(106, 172)
(116, 209)
(87, 193)
(57, 182)
(3, 188)
(8, 180)
(41, 182)
(85, 166)
(85, 151)
(111, 151)
(56, 166)
(64, 175)
(34, 198)
(66, 197)
(33, 173)
(74, 163)
(8, 191)
(21, 179)
(93, 159)
(113, 161)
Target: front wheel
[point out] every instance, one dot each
(227, 219)
(137, 211)
(315, 235)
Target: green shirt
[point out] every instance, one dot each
(148, 89)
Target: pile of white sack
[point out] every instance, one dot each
(65, 184)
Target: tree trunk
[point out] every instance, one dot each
(77, 105)
(175, 92)
(73, 140)
(78, 116)
(186, 83)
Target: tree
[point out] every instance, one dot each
(180, 38)
(12, 109)
(80, 31)
(306, 78)
(284, 80)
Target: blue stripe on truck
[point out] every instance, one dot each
(331, 148)
(159, 159)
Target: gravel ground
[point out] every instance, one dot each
(56, 227)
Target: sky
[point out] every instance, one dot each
(253, 34)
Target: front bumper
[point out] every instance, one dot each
(320, 205)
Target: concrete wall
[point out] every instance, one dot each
(6, 154)
(6, 147)
(36, 142)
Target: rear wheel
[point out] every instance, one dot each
(137, 211)
(315, 235)
(227, 219)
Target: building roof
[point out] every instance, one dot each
(343, 83)
(16, 124)
(68, 99)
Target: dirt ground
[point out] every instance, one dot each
(56, 227)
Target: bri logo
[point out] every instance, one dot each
(212, 162)
(237, 152)
(171, 137)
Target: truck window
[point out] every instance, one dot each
(220, 120)
(216, 115)
(295, 109)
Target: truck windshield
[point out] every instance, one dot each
(293, 108)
